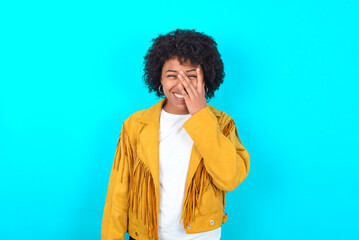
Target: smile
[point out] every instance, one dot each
(178, 97)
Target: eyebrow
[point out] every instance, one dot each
(186, 71)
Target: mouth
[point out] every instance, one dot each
(178, 97)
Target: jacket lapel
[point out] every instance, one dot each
(149, 139)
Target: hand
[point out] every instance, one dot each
(195, 96)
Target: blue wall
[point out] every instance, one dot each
(71, 73)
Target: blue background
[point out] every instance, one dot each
(71, 73)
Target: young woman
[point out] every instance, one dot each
(176, 160)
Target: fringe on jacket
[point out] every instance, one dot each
(141, 183)
(199, 184)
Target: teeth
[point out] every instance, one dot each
(179, 96)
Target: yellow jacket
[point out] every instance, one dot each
(218, 164)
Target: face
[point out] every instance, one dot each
(170, 81)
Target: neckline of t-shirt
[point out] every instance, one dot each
(175, 115)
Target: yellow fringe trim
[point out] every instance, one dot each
(140, 183)
(142, 187)
(199, 184)
(123, 153)
(227, 129)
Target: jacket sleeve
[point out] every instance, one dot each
(114, 221)
(225, 158)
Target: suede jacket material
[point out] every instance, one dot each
(218, 164)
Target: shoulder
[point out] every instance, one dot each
(225, 121)
(131, 126)
(222, 117)
(134, 118)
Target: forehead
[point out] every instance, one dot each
(173, 63)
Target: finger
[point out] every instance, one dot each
(191, 85)
(186, 85)
(183, 92)
(200, 84)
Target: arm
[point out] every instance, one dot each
(114, 221)
(225, 158)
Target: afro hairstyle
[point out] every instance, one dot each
(184, 44)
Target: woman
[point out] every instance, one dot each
(176, 160)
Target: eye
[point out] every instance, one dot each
(176, 76)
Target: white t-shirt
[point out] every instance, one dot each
(175, 146)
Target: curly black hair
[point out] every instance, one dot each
(188, 44)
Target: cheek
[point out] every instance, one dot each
(169, 84)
